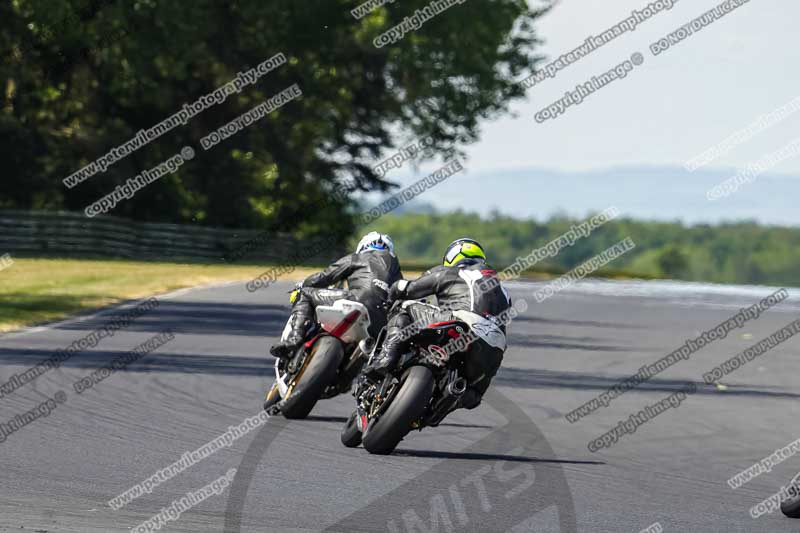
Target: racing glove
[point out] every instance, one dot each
(397, 291)
(295, 293)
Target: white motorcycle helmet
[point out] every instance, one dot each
(375, 241)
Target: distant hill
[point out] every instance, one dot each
(643, 193)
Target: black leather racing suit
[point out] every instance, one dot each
(369, 275)
(471, 285)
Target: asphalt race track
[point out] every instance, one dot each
(514, 464)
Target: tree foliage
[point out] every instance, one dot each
(742, 252)
(80, 77)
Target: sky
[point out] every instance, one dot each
(627, 143)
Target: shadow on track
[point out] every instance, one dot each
(343, 419)
(153, 362)
(579, 323)
(489, 457)
(562, 343)
(524, 378)
(199, 318)
(262, 365)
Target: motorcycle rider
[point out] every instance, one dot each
(464, 282)
(369, 272)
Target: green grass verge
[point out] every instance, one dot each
(33, 291)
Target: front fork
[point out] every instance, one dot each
(280, 379)
(367, 410)
(288, 372)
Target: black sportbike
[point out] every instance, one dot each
(423, 388)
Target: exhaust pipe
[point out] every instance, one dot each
(448, 402)
(457, 387)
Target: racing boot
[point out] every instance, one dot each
(299, 322)
(390, 353)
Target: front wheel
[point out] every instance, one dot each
(791, 507)
(351, 435)
(318, 373)
(384, 434)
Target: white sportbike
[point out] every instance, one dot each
(325, 364)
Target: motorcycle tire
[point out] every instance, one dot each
(791, 507)
(384, 434)
(351, 435)
(320, 371)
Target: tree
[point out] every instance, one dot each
(83, 76)
(673, 262)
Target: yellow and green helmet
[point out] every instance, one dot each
(461, 249)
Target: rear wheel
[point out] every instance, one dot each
(351, 435)
(320, 371)
(408, 405)
(791, 507)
